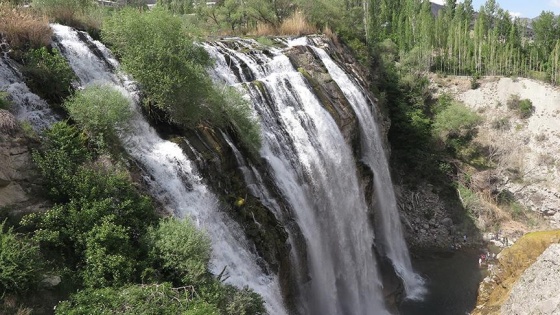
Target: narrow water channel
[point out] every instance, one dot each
(452, 280)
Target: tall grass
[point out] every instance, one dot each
(294, 25)
(297, 25)
(22, 29)
(85, 15)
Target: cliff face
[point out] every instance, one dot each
(18, 179)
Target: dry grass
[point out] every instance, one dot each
(263, 29)
(296, 25)
(8, 122)
(23, 29)
(513, 262)
(330, 34)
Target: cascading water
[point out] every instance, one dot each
(25, 105)
(172, 178)
(391, 235)
(314, 168)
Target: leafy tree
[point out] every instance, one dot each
(171, 71)
(20, 263)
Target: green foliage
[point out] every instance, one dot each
(64, 150)
(100, 111)
(172, 71)
(4, 102)
(136, 299)
(183, 250)
(523, 107)
(48, 74)
(455, 121)
(238, 113)
(100, 214)
(109, 255)
(20, 263)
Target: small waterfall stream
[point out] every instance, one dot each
(391, 234)
(314, 168)
(172, 178)
(26, 105)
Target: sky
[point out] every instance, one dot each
(522, 8)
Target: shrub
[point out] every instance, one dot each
(456, 120)
(184, 251)
(238, 113)
(172, 72)
(109, 256)
(23, 30)
(19, 262)
(48, 74)
(136, 299)
(501, 124)
(100, 111)
(4, 101)
(523, 107)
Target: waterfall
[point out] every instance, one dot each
(374, 157)
(172, 178)
(314, 168)
(26, 106)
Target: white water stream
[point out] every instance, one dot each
(172, 178)
(391, 234)
(314, 168)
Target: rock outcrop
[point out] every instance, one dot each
(510, 280)
(536, 292)
(17, 174)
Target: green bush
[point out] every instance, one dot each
(455, 121)
(109, 256)
(4, 102)
(62, 152)
(183, 250)
(136, 299)
(523, 107)
(48, 74)
(99, 110)
(20, 263)
(238, 114)
(172, 72)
